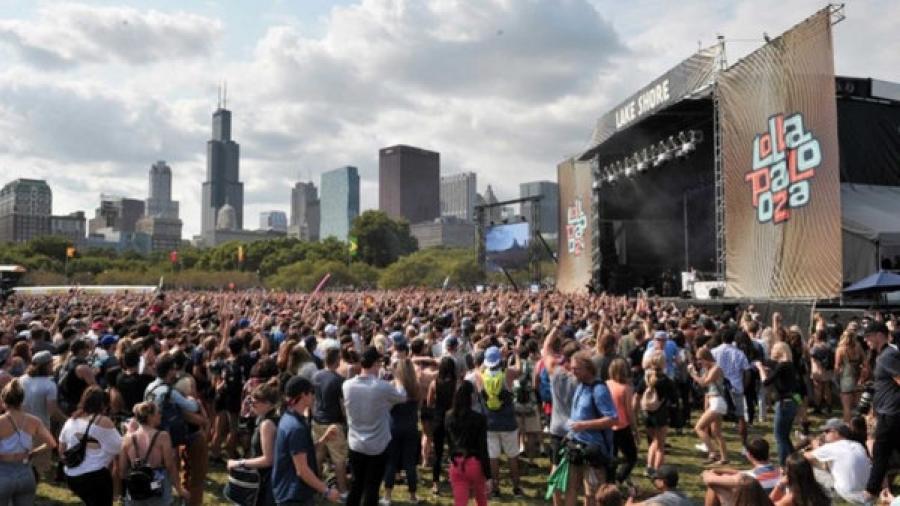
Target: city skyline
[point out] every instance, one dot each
(309, 92)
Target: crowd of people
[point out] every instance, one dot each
(334, 397)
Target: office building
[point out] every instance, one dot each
(458, 196)
(448, 231)
(548, 205)
(161, 222)
(492, 214)
(409, 183)
(26, 206)
(305, 212)
(273, 220)
(72, 226)
(116, 214)
(339, 202)
(222, 185)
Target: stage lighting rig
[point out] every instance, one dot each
(643, 161)
(664, 155)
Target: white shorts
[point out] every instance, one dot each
(717, 404)
(506, 442)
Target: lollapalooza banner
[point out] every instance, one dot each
(575, 227)
(682, 80)
(780, 167)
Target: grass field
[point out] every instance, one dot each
(682, 454)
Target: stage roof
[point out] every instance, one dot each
(872, 212)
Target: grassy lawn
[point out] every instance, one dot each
(682, 454)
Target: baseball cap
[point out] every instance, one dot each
(108, 340)
(41, 358)
(330, 329)
(398, 339)
(297, 386)
(97, 326)
(874, 327)
(450, 342)
(668, 474)
(492, 357)
(837, 425)
(660, 334)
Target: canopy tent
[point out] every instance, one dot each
(879, 282)
(870, 220)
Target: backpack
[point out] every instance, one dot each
(234, 379)
(140, 482)
(522, 389)
(495, 390)
(68, 392)
(650, 400)
(172, 419)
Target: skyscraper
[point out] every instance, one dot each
(458, 196)
(492, 213)
(116, 215)
(222, 183)
(305, 212)
(339, 202)
(409, 181)
(26, 206)
(549, 204)
(273, 220)
(159, 201)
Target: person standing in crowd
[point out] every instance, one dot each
(656, 404)
(821, 372)
(885, 403)
(557, 360)
(733, 363)
(40, 401)
(709, 425)
(264, 402)
(848, 361)
(91, 479)
(294, 479)
(503, 433)
(151, 447)
(367, 402)
(526, 398)
(19, 431)
(403, 450)
(75, 376)
(798, 486)
(590, 425)
(328, 411)
(624, 433)
(782, 377)
(439, 399)
(470, 466)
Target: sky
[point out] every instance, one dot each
(92, 93)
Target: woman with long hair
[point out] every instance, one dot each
(91, 480)
(750, 493)
(800, 359)
(661, 390)
(403, 451)
(264, 404)
(151, 447)
(821, 372)
(624, 433)
(440, 398)
(712, 380)
(18, 431)
(470, 467)
(799, 487)
(848, 361)
(781, 376)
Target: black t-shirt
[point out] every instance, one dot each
(328, 397)
(886, 398)
(132, 387)
(783, 376)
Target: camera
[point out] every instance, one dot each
(865, 400)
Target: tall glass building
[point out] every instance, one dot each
(339, 202)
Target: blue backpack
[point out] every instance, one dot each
(172, 419)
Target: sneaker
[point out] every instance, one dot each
(701, 448)
(384, 502)
(517, 491)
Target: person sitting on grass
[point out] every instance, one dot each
(666, 482)
(723, 484)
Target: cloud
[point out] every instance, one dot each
(67, 34)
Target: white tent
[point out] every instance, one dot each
(870, 224)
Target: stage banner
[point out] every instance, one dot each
(573, 272)
(682, 80)
(780, 167)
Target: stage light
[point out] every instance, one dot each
(643, 161)
(664, 154)
(595, 166)
(629, 170)
(595, 185)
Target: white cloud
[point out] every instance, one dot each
(506, 88)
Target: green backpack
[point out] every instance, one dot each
(494, 390)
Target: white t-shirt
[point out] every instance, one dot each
(849, 464)
(95, 458)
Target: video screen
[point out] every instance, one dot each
(507, 246)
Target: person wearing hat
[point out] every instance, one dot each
(40, 400)
(294, 479)
(666, 482)
(885, 403)
(367, 402)
(840, 464)
(503, 428)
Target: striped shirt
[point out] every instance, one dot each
(767, 475)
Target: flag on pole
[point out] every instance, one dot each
(240, 254)
(173, 256)
(353, 246)
(70, 252)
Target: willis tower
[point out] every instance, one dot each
(222, 185)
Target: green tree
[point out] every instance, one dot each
(49, 245)
(382, 240)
